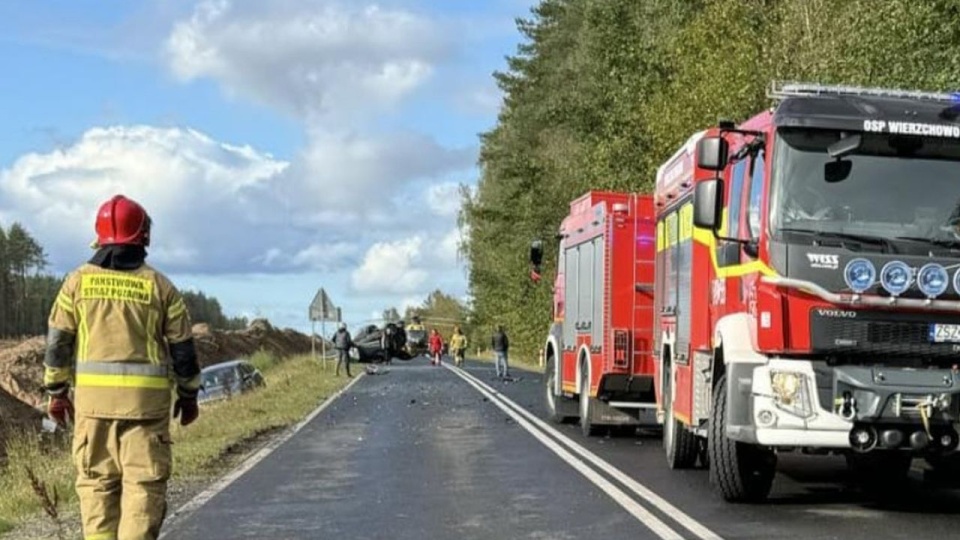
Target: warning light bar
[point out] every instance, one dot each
(781, 90)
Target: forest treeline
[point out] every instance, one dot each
(601, 92)
(27, 290)
(438, 310)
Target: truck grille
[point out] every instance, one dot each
(881, 334)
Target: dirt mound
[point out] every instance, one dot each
(21, 365)
(219, 346)
(14, 414)
(21, 371)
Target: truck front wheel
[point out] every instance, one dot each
(741, 472)
(586, 425)
(555, 404)
(679, 444)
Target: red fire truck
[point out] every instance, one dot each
(599, 348)
(807, 292)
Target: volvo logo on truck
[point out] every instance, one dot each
(836, 313)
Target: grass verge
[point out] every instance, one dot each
(49, 459)
(294, 388)
(201, 450)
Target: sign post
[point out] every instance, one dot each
(323, 310)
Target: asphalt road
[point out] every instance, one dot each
(422, 453)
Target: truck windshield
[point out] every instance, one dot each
(905, 189)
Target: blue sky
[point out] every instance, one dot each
(279, 146)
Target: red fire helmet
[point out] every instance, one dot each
(122, 221)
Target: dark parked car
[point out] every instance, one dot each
(220, 381)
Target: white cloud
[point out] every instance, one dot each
(308, 57)
(335, 66)
(444, 199)
(353, 173)
(202, 194)
(322, 256)
(391, 267)
(478, 98)
(219, 207)
(449, 247)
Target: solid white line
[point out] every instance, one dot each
(221, 484)
(642, 514)
(670, 510)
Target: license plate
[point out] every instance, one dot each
(945, 333)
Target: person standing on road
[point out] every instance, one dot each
(342, 341)
(117, 329)
(458, 346)
(500, 345)
(436, 347)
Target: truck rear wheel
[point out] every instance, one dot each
(555, 403)
(679, 444)
(586, 426)
(741, 472)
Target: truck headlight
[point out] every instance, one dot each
(860, 274)
(791, 393)
(896, 277)
(933, 280)
(785, 385)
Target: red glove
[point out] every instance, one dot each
(187, 410)
(60, 408)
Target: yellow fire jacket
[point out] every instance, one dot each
(122, 338)
(458, 342)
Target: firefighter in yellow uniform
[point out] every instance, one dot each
(119, 332)
(458, 346)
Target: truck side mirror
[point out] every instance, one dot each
(536, 252)
(707, 201)
(712, 153)
(536, 257)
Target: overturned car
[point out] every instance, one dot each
(373, 344)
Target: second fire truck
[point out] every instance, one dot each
(599, 361)
(807, 287)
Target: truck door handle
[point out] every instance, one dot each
(645, 288)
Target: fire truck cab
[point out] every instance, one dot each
(598, 351)
(807, 286)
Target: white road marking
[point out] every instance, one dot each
(221, 484)
(633, 507)
(639, 489)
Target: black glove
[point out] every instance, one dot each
(186, 409)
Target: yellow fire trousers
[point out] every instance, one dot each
(122, 472)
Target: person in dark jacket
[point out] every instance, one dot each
(342, 341)
(500, 345)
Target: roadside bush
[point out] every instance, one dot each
(264, 359)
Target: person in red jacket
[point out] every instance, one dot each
(436, 347)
